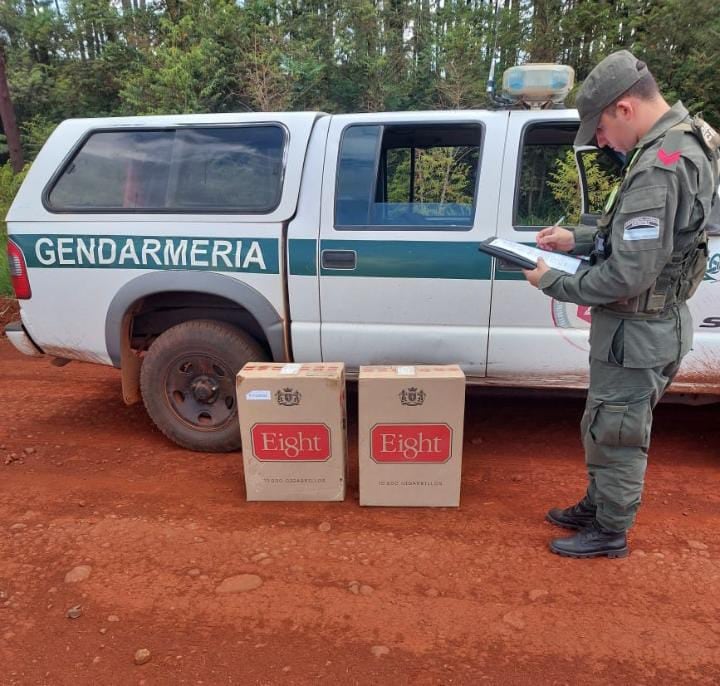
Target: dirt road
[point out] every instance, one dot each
(373, 596)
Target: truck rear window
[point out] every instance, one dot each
(236, 170)
(408, 176)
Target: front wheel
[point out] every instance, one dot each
(187, 381)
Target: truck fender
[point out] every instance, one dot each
(119, 314)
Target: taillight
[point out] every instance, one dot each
(18, 272)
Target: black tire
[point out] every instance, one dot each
(187, 381)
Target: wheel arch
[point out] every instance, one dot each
(127, 301)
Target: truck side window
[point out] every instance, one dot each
(545, 151)
(356, 175)
(421, 177)
(547, 183)
(238, 169)
(201, 169)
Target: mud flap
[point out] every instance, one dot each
(130, 364)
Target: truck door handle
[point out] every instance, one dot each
(504, 266)
(338, 259)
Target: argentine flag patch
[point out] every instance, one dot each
(641, 229)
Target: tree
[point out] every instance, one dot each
(71, 58)
(565, 184)
(7, 115)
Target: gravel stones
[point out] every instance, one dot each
(79, 573)
(74, 612)
(142, 656)
(240, 583)
(514, 619)
(356, 588)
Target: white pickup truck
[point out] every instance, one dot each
(177, 248)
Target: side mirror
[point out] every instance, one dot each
(581, 155)
(588, 219)
(608, 162)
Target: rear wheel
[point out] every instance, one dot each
(187, 381)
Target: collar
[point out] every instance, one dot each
(676, 114)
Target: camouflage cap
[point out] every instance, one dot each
(605, 83)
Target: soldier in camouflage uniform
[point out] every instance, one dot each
(647, 257)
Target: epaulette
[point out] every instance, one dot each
(709, 139)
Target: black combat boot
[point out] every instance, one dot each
(592, 541)
(574, 517)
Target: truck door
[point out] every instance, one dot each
(535, 340)
(406, 198)
(538, 341)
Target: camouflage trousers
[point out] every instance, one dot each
(616, 427)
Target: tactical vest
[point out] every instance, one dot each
(685, 270)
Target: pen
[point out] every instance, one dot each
(554, 226)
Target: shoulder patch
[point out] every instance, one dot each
(641, 229)
(668, 158)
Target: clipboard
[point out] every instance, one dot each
(526, 256)
(487, 247)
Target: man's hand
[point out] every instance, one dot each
(555, 238)
(533, 275)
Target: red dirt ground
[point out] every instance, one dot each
(469, 596)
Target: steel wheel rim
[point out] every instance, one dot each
(200, 391)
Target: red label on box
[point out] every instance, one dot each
(291, 442)
(414, 443)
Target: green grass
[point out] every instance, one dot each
(5, 286)
(9, 185)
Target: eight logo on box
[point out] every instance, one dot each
(416, 443)
(290, 442)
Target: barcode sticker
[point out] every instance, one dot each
(290, 369)
(406, 371)
(258, 395)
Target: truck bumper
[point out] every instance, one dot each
(17, 335)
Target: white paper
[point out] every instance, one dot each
(291, 369)
(406, 371)
(258, 395)
(554, 260)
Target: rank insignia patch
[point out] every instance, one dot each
(668, 158)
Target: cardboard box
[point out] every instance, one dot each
(411, 435)
(294, 434)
